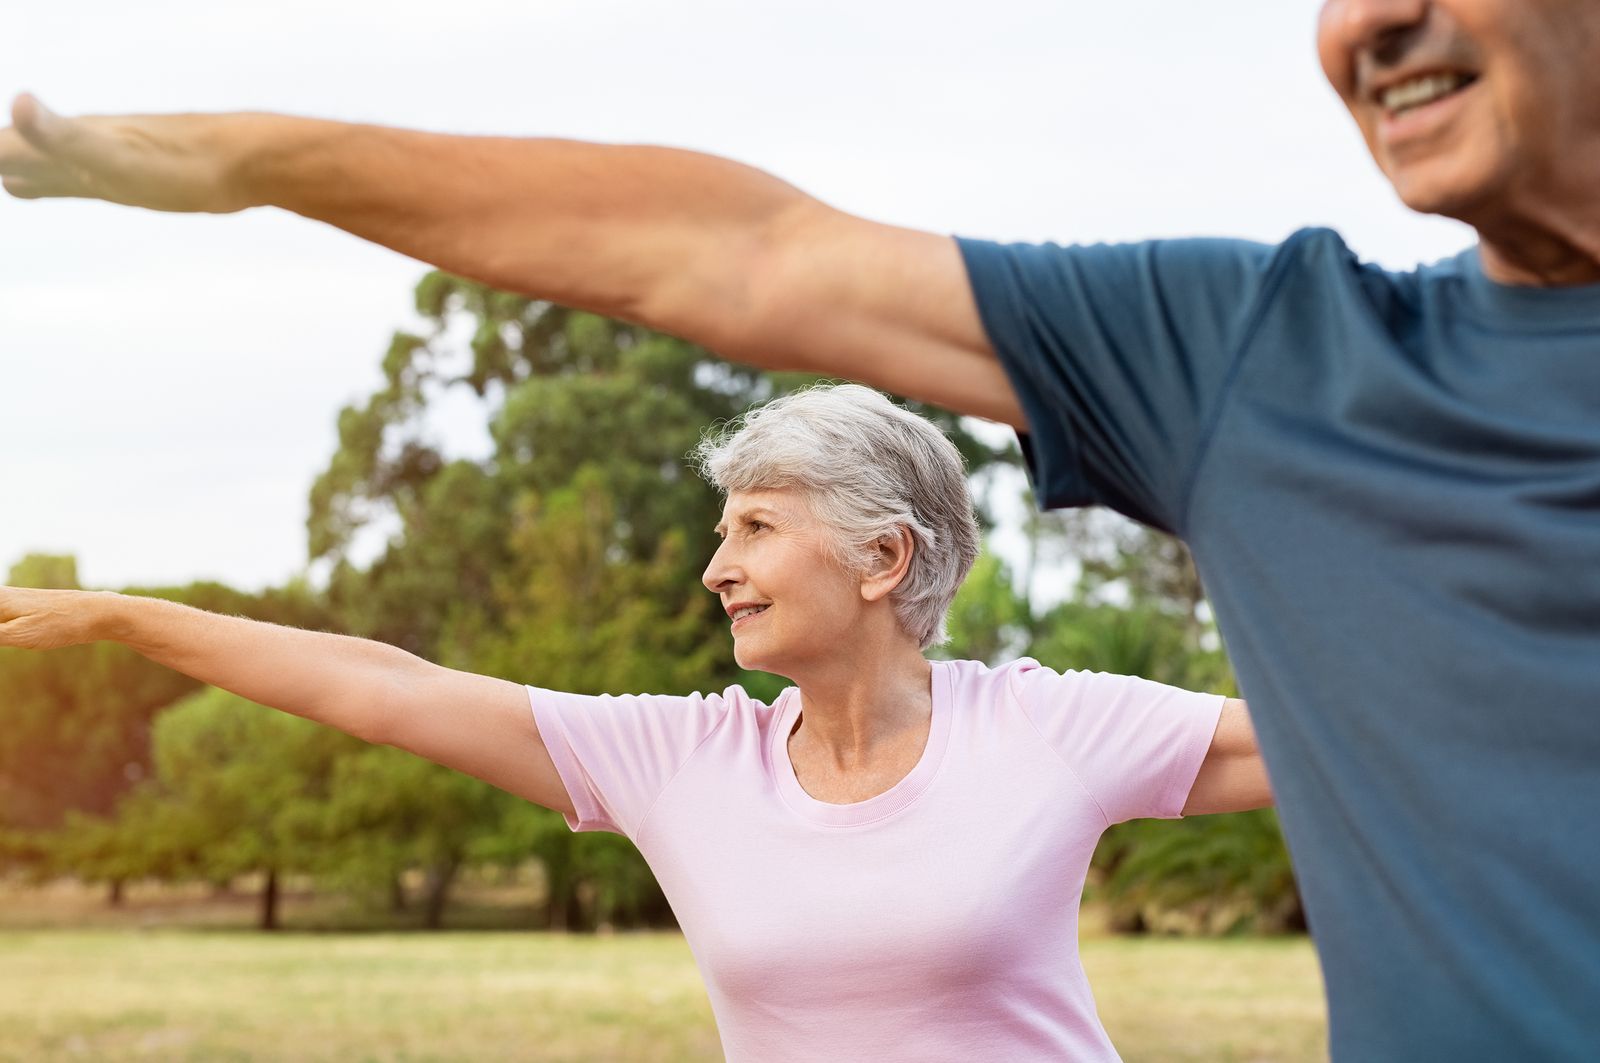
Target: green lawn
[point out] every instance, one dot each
(230, 995)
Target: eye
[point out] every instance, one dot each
(758, 525)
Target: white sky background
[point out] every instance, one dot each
(168, 384)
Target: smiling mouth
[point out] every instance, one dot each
(749, 611)
(1416, 92)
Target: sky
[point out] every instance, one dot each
(169, 384)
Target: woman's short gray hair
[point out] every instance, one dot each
(868, 469)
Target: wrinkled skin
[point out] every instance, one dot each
(1516, 152)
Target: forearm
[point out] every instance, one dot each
(332, 679)
(654, 235)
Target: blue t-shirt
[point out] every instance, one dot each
(1391, 485)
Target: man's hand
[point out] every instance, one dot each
(48, 620)
(163, 162)
(697, 246)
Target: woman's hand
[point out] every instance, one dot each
(473, 723)
(163, 162)
(49, 620)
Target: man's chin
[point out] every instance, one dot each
(1434, 187)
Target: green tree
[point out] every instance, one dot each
(569, 555)
(1139, 610)
(989, 619)
(238, 789)
(388, 811)
(565, 395)
(46, 572)
(77, 720)
(1122, 562)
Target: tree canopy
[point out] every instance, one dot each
(516, 498)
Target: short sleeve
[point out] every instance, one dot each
(1119, 355)
(1135, 745)
(616, 753)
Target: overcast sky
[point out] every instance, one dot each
(168, 384)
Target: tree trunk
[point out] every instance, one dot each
(397, 895)
(439, 879)
(115, 897)
(556, 908)
(269, 901)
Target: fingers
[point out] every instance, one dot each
(13, 618)
(22, 634)
(11, 605)
(16, 152)
(44, 155)
(36, 134)
(40, 619)
(162, 162)
(42, 188)
(34, 121)
(27, 168)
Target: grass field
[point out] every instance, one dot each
(228, 995)
(166, 992)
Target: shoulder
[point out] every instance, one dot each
(1045, 263)
(1319, 256)
(1001, 686)
(654, 716)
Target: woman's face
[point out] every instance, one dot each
(788, 601)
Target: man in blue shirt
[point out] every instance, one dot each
(1391, 482)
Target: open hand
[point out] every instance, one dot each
(164, 162)
(48, 620)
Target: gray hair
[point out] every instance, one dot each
(868, 468)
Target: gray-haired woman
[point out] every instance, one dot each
(883, 864)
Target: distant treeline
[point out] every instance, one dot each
(570, 558)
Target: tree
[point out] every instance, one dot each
(77, 720)
(1138, 610)
(388, 811)
(989, 619)
(45, 572)
(238, 789)
(564, 395)
(569, 555)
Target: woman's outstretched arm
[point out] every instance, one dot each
(476, 724)
(1233, 777)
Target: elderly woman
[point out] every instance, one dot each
(885, 863)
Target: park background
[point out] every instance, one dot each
(263, 416)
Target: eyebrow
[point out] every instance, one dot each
(740, 518)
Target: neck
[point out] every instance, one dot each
(1554, 241)
(1537, 263)
(865, 701)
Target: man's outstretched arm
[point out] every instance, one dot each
(691, 244)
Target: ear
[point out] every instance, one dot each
(891, 561)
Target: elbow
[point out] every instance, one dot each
(748, 296)
(363, 714)
(375, 711)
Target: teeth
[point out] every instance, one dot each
(1418, 91)
(751, 610)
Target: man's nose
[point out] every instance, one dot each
(1381, 28)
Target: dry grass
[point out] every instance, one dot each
(1230, 1001)
(213, 992)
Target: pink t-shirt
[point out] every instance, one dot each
(935, 921)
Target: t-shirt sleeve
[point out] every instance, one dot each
(1135, 745)
(1120, 355)
(616, 753)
